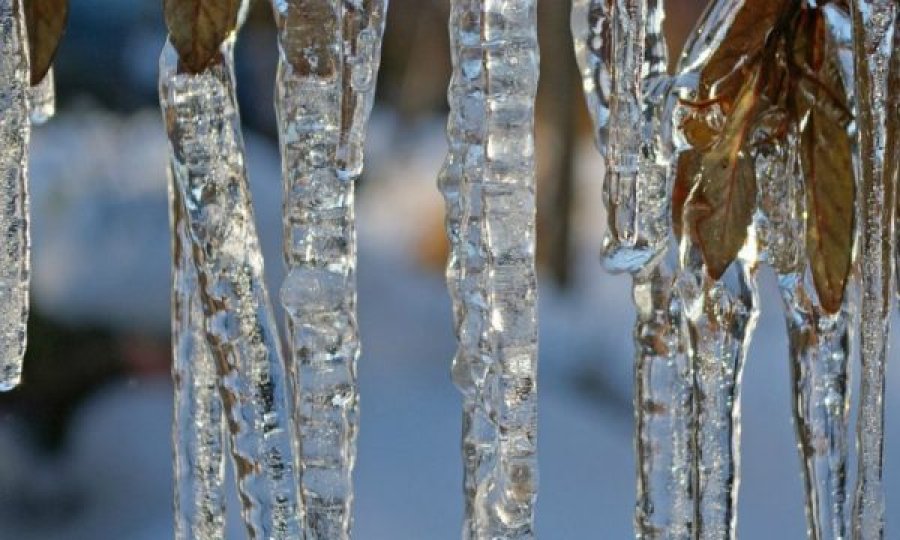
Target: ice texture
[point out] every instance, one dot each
(42, 99)
(623, 58)
(663, 402)
(328, 64)
(488, 183)
(207, 160)
(877, 68)
(199, 428)
(15, 132)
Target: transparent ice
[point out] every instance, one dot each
(207, 161)
(199, 428)
(488, 184)
(42, 99)
(877, 71)
(15, 131)
(624, 60)
(328, 64)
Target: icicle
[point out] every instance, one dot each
(488, 181)
(720, 318)
(15, 131)
(199, 424)
(329, 56)
(819, 341)
(42, 99)
(663, 404)
(623, 58)
(874, 40)
(207, 160)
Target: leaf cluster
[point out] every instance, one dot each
(775, 74)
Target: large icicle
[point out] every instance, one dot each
(15, 131)
(207, 159)
(488, 181)
(329, 57)
(198, 431)
(623, 59)
(874, 40)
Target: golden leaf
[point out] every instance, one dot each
(197, 28)
(823, 113)
(46, 21)
(720, 207)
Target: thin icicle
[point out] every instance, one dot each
(15, 132)
(329, 57)
(874, 40)
(663, 404)
(488, 181)
(42, 99)
(623, 58)
(207, 159)
(720, 319)
(819, 340)
(199, 426)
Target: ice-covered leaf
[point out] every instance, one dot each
(823, 113)
(46, 20)
(720, 208)
(197, 29)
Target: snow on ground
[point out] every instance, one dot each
(101, 255)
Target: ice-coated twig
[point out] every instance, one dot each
(207, 160)
(15, 132)
(488, 181)
(664, 412)
(623, 58)
(874, 40)
(328, 64)
(720, 319)
(198, 432)
(42, 99)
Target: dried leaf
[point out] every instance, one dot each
(197, 28)
(727, 70)
(822, 109)
(720, 208)
(46, 21)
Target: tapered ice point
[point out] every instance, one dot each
(877, 73)
(42, 99)
(488, 183)
(328, 64)
(207, 160)
(15, 132)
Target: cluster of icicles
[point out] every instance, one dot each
(289, 419)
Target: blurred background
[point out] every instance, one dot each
(84, 443)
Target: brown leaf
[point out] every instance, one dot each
(719, 209)
(733, 61)
(826, 159)
(46, 21)
(197, 29)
